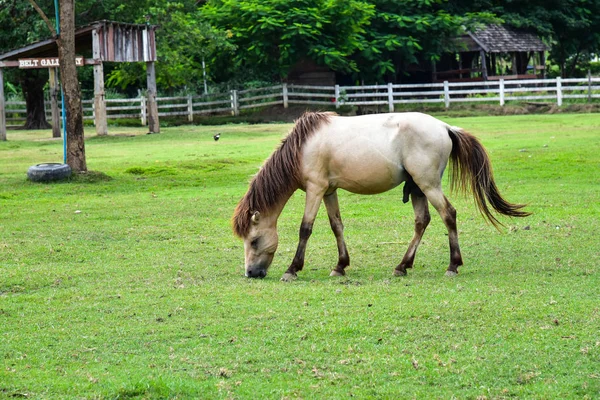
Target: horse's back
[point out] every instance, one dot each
(370, 153)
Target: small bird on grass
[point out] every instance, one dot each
(217, 136)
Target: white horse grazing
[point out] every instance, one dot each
(367, 155)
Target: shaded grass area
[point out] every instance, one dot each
(127, 282)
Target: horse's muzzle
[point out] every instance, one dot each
(256, 272)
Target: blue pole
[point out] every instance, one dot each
(62, 93)
(64, 123)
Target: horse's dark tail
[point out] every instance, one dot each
(471, 168)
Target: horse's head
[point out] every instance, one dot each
(260, 245)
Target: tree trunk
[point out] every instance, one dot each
(71, 90)
(574, 65)
(32, 83)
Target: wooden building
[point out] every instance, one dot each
(308, 72)
(98, 42)
(491, 53)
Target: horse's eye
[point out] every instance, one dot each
(254, 243)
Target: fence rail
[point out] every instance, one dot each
(498, 91)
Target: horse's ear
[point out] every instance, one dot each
(256, 217)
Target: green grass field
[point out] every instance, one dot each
(128, 283)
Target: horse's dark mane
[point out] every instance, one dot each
(280, 176)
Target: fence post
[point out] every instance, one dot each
(446, 94)
(390, 97)
(190, 107)
(285, 95)
(100, 114)
(558, 92)
(589, 85)
(152, 109)
(2, 109)
(143, 110)
(337, 96)
(502, 92)
(234, 104)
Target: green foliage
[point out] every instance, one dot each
(183, 41)
(570, 27)
(21, 25)
(367, 40)
(274, 35)
(371, 40)
(420, 30)
(133, 287)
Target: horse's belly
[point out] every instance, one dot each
(361, 158)
(369, 174)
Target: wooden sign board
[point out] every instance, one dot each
(47, 62)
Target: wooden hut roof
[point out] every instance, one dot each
(503, 39)
(118, 42)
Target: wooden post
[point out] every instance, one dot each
(337, 96)
(285, 95)
(143, 110)
(446, 94)
(390, 97)
(235, 111)
(484, 72)
(99, 94)
(190, 108)
(543, 63)
(2, 108)
(54, 102)
(501, 92)
(558, 92)
(589, 85)
(515, 71)
(153, 124)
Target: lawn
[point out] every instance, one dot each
(128, 282)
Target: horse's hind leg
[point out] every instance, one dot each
(333, 211)
(422, 218)
(448, 214)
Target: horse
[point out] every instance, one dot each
(367, 154)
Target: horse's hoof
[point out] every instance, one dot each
(287, 277)
(397, 272)
(336, 273)
(451, 274)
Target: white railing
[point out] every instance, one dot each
(494, 91)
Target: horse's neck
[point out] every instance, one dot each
(271, 191)
(277, 208)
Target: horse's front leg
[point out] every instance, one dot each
(335, 220)
(314, 195)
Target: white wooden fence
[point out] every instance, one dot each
(498, 91)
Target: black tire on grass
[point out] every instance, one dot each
(48, 172)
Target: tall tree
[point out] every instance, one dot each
(71, 90)
(373, 40)
(575, 33)
(68, 74)
(180, 64)
(32, 84)
(273, 35)
(406, 33)
(20, 26)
